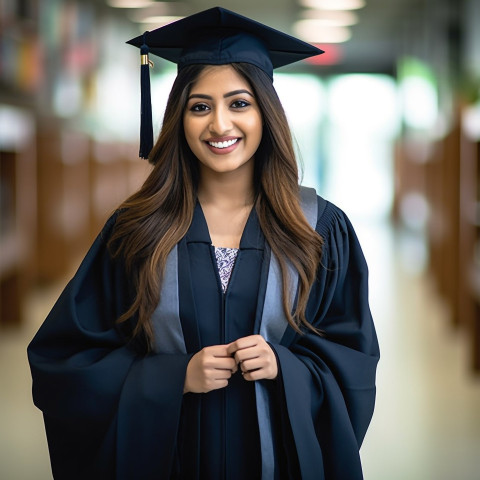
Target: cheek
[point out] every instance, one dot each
(255, 127)
(189, 131)
(186, 126)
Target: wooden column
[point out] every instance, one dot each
(17, 210)
(469, 247)
(63, 199)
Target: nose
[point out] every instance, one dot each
(220, 121)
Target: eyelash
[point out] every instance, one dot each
(202, 107)
(243, 102)
(198, 108)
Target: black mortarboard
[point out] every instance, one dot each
(214, 37)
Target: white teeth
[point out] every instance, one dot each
(227, 143)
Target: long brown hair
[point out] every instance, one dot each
(153, 220)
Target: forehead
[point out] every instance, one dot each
(219, 78)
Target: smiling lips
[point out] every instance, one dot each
(225, 146)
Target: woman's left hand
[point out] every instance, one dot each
(255, 358)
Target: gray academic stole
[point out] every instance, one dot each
(169, 338)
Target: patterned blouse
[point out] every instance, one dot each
(225, 261)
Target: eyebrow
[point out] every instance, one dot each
(229, 94)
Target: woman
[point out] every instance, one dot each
(219, 327)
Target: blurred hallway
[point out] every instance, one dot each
(392, 130)
(427, 420)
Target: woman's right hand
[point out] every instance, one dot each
(209, 369)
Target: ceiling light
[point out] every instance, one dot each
(165, 12)
(331, 18)
(160, 20)
(333, 4)
(313, 31)
(130, 3)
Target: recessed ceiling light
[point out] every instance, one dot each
(333, 4)
(332, 18)
(313, 31)
(130, 3)
(160, 20)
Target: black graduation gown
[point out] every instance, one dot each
(219, 429)
(113, 413)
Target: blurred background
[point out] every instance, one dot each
(386, 125)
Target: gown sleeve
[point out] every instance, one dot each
(109, 411)
(328, 381)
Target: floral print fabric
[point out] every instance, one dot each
(225, 261)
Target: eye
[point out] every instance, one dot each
(240, 104)
(199, 108)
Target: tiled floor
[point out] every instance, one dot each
(23, 447)
(427, 421)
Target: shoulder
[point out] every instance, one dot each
(331, 218)
(341, 246)
(109, 227)
(340, 241)
(322, 214)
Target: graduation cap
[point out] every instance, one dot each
(213, 37)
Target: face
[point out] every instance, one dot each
(222, 121)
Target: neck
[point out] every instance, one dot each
(229, 190)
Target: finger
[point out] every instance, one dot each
(222, 354)
(218, 350)
(226, 363)
(244, 342)
(246, 354)
(222, 375)
(232, 348)
(253, 364)
(253, 375)
(251, 339)
(216, 385)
